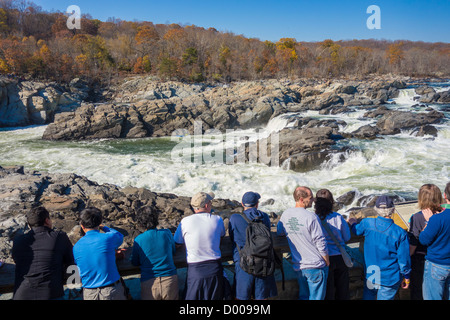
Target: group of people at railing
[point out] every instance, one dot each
(393, 257)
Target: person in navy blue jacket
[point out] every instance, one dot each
(436, 236)
(386, 252)
(246, 285)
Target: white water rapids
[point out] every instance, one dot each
(397, 164)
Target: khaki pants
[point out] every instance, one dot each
(160, 288)
(114, 292)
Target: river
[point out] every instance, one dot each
(397, 164)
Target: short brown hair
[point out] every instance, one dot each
(430, 197)
(301, 192)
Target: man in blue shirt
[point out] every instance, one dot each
(386, 252)
(153, 250)
(95, 256)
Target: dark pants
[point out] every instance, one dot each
(205, 281)
(338, 280)
(417, 268)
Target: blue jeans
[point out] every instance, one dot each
(379, 292)
(312, 283)
(436, 281)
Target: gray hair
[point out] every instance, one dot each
(385, 212)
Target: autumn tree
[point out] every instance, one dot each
(146, 38)
(37, 43)
(142, 65)
(4, 27)
(395, 54)
(330, 58)
(286, 54)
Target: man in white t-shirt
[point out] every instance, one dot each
(201, 233)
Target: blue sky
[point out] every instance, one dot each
(274, 19)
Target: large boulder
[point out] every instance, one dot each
(301, 149)
(97, 122)
(392, 122)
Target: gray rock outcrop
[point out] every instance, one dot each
(65, 195)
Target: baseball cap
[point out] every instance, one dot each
(250, 199)
(384, 202)
(199, 200)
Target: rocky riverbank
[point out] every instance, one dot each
(141, 107)
(65, 195)
(34, 102)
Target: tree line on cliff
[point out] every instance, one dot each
(38, 43)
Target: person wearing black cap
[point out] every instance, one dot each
(386, 252)
(246, 285)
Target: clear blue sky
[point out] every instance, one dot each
(305, 20)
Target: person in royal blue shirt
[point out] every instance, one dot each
(95, 256)
(436, 236)
(246, 285)
(153, 251)
(386, 252)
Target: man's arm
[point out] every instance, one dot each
(178, 236)
(280, 229)
(117, 236)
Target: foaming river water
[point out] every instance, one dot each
(397, 164)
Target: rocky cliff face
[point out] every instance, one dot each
(25, 103)
(141, 107)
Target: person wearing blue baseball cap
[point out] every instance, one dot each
(386, 252)
(248, 286)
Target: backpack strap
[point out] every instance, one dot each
(243, 215)
(279, 261)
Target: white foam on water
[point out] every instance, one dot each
(406, 97)
(400, 163)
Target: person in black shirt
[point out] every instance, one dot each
(41, 257)
(417, 252)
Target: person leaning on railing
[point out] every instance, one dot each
(386, 252)
(436, 236)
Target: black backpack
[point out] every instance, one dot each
(258, 257)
